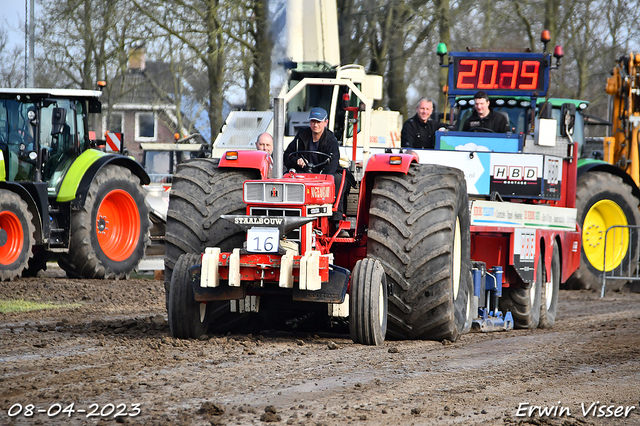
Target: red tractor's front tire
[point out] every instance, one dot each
(201, 192)
(188, 319)
(368, 304)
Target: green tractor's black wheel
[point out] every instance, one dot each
(16, 235)
(38, 262)
(109, 233)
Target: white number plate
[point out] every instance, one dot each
(263, 240)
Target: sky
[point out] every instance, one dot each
(12, 20)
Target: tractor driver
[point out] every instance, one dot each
(318, 153)
(484, 119)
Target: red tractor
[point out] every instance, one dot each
(437, 241)
(243, 245)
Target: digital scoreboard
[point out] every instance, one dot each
(517, 74)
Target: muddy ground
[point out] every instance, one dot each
(113, 353)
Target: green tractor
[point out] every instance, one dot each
(60, 198)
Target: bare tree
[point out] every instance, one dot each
(455, 23)
(354, 18)
(443, 16)
(83, 41)
(413, 24)
(11, 63)
(218, 47)
(200, 26)
(252, 34)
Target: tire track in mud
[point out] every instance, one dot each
(116, 348)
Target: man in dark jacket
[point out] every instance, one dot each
(483, 117)
(419, 131)
(317, 138)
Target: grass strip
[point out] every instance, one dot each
(20, 305)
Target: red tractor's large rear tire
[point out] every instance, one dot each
(109, 233)
(604, 200)
(201, 192)
(16, 235)
(419, 231)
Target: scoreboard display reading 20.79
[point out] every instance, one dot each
(517, 74)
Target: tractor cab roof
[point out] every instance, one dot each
(53, 93)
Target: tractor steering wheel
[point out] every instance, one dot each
(309, 166)
(481, 129)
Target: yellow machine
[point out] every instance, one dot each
(607, 190)
(621, 149)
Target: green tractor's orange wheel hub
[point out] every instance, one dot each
(599, 218)
(11, 238)
(118, 225)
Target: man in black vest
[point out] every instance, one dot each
(419, 131)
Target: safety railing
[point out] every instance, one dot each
(623, 242)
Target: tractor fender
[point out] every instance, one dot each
(27, 197)
(3, 173)
(568, 259)
(591, 165)
(78, 179)
(256, 160)
(398, 163)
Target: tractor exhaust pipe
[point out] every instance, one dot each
(278, 137)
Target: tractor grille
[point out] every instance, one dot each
(274, 192)
(275, 212)
(295, 192)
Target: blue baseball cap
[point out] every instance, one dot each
(318, 114)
